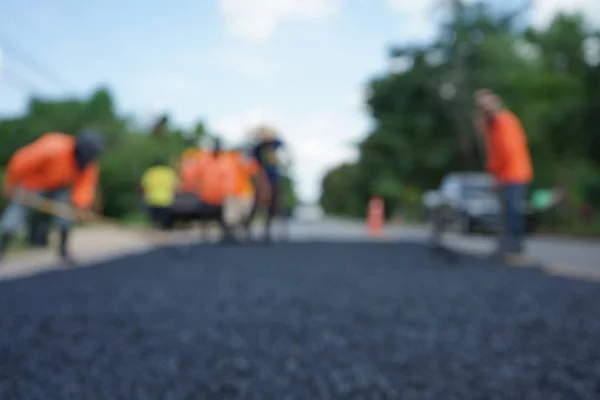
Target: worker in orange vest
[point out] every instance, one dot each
(57, 166)
(509, 162)
(190, 161)
(212, 177)
(240, 192)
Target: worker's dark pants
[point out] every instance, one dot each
(16, 214)
(274, 197)
(274, 182)
(513, 218)
(273, 204)
(209, 213)
(159, 216)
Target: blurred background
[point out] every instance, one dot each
(374, 97)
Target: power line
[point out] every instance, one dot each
(20, 79)
(30, 61)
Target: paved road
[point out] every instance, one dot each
(583, 253)
(304, 319)
(558, 254)
(299, 320)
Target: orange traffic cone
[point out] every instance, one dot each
(375, 217)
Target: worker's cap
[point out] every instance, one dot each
(91, 141)
(88, 146)
(264, 132)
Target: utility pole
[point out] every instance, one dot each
(462, 103)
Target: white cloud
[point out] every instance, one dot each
(258, 19)
(317, 142)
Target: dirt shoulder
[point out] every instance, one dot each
(88, 245)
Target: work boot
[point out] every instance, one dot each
(5, 240)
(64, 248)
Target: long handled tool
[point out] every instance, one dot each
(59, 208)
(436, 244)
(64, 210)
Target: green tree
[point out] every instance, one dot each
(423, 115)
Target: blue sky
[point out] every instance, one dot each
(300, 65)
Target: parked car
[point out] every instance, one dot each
(188, 207)
(470, 201)
(429, 202)
(467, 201)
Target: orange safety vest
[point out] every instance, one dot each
(508, 158)
(213, 177)
(187, 175)
(245, 169)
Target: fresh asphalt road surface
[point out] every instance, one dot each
(102, 243)
(328, 315)
(576, 253)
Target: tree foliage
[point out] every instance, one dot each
(423, 115)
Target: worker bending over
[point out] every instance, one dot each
(158, 184)
(509, 162)
(59, 167)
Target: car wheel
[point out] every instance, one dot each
(466, 225)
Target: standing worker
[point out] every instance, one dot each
(158, 184)
(240, 194)
(212, 177)
(509, 162)
(264, 151)
(56, 166)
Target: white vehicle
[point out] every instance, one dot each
(430, 200)
(470, 200)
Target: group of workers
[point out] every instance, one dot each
(225, 185)
(65, 169)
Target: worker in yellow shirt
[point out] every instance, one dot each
(158, 185)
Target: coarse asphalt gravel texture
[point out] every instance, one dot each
(299, 321)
